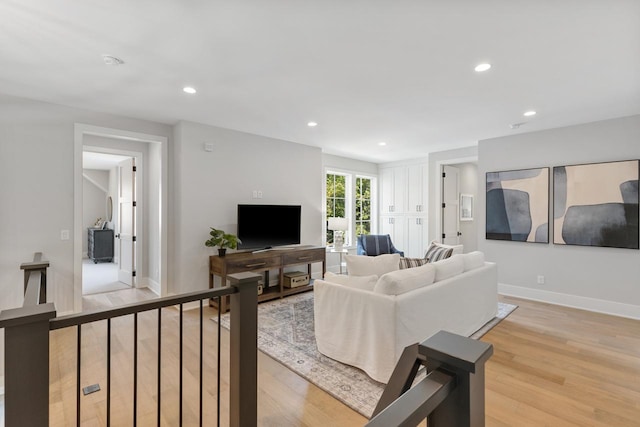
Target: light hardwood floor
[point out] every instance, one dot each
(552, 366)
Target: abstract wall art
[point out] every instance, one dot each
(518, 205)
(596, 204)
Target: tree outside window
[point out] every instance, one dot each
(336, 199)
(363, 206)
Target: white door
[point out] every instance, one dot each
(450, 218)
(127, 221)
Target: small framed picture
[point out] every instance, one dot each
(466, 207)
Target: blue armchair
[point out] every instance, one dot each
(376, 244)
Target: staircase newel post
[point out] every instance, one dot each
(26, 364)
(243, 358)
(464, 357)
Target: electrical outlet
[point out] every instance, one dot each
(255, 194)
(64, 234)
(541, 280)
(259, 194)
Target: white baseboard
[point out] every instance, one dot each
(574, 301)
(151, 284)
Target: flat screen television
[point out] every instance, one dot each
(265, 226)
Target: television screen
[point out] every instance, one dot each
(263, 226)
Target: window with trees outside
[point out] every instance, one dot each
(349, 195)
(336, 199)
(363, 205)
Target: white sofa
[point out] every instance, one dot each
(369, 326)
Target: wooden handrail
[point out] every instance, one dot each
(418, 402)
(136, 307)
(35, 280)
(452, 394)
(36, 264)
(27, 334)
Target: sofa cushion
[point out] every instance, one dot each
(401, 281)
(456, 249)
(436, 253)
(411, 262)
(360, 265)
(366, 283)
(473, 260)
(449, 267)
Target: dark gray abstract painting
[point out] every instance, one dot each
(596, 204)
(518, 205)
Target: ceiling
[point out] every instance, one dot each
(366, 71)
(101, 161)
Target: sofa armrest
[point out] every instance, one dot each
(460, 304)
(355, 327)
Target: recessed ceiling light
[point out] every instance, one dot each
(482, 67)
(530, 113)
(312, 124)
(382, 143)
(189, 89)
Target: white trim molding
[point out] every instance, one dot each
(574, 301)
(152, 285)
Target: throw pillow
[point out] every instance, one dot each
(473, 260)
(449, 267)
(362, 265)
(437, 252)
(411, 262)
(366, 283)
(401, 281)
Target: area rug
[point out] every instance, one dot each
(286, 333)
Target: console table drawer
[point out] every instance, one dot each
(240, 265)
(304, 256)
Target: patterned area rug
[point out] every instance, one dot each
(286, 333)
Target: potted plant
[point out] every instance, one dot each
(222, 240)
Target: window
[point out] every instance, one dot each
(336, 199)
(363, 205)
(351, 195)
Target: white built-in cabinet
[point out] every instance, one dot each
(403, 210)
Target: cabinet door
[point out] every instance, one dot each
(400, 189)
(386, 191)
(416, 186)
(416, 237)
(395, 226)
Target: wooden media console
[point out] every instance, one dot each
(263, 261)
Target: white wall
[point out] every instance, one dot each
(37, 192)
(208, 187)
(352, 165)
(468, 178)
(601, 279)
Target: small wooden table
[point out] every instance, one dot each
(274, 259)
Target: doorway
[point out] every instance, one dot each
(460, 179)
(150, 247)
(450, 190)
(108, 262)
